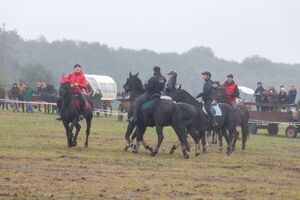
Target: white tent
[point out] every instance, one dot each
(106, 84)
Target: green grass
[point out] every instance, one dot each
(35, 163)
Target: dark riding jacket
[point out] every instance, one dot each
(156, 84)
(171, 85)
(207, 91)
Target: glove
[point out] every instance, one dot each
(199, 95)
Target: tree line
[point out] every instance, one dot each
(33, 60)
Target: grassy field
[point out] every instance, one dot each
(35, 163)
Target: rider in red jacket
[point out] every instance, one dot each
(77, 80)
(78, 84)
(232, 91)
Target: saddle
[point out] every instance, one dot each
(216, 110)
(79, 103)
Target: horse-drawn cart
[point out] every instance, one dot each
(124, 104)
(269, 116)
(108, 88)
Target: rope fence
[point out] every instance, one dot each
(109, 112)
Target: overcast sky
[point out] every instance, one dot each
(234, 29)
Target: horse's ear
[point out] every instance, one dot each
(137, 74)
(64, 79)
(130, 75)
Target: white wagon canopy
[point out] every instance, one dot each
(106, 84)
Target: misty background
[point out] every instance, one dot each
(254, 40)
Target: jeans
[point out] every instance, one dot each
(29, 107)
(15, 105)
(233, 105)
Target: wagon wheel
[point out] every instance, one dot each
(252, 128)
(273, 129)
(291, 131)
(120, 114)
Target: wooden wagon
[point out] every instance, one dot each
(269, 116)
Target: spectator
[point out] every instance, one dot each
(272, 96)
(28, 92)
(282, 96)
(259, 95)
(14, 92)
(265, 100)
(96, 96)
(292, 95)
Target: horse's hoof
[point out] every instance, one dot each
(229, 151)
(186, 156)
(197, 154)
(126, 148)
(86, 145)
(135, 149)
(220, 148)
(153, 153)
(171, 152)
(150, 149)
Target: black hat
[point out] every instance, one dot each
(206, 73)
(230, 76)
(259, 83)
(77, 65)
(156, 69)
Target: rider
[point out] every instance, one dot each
(78, 83)
(154, 85)
(207, 96)
(171, 83)
(232, 91)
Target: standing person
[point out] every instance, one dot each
(232, 91)
(282, 96)
(259, 95)
(14, 92)
(154, 85)
(28, 93)
(207, 97)
(171, 83)
(292, 95)
(272, 96)
(78, 83)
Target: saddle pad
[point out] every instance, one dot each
(216, 110)
(166, 97)
(148, 104)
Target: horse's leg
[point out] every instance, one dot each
(245, 133)
(183, 139)
(78, 127)
(139, 138)
(204, 142)
(88, 129)
(236, 136)
(174, 147)
(231, 131)
(129, 130)
(220, 138)
(196, 137)
(160, 138)
(69, 136)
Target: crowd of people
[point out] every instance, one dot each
(270, 95)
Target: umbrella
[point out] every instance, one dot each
(246, 90)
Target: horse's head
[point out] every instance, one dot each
(65, 87)
(132, 81)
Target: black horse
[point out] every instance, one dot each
(227, 122)
(241, 116)
(163, 113)
(135, 87)
(69, 113)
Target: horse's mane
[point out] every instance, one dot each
(191, 99)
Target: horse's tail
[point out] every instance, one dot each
(245, 127)
(178, 126)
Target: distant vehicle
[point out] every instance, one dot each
(274, 115)
(108, 88)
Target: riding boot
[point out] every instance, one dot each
(214, 122)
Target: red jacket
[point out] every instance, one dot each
(231, 91)
(80, 79)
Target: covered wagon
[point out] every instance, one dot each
(108, 88)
